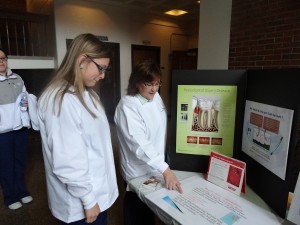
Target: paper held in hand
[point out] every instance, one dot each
(227, 172)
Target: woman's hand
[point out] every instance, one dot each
(171, 181)
(92, 213)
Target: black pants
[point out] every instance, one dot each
(101, 220)
(13, 152)
(136, 212)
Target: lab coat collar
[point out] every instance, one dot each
(142, 99)
(9, 75)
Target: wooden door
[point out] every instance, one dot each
(142, 52)
(109, 87)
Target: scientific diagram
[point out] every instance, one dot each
(206, 114)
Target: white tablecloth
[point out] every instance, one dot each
(136, 185)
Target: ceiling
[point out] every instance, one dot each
(158, 7)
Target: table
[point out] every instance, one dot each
(153, 198)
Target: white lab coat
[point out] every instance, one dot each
(28, 118)
(141, 130)
(78, 157)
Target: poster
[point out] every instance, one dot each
(266, 135)
(205, 203)
(205, 119)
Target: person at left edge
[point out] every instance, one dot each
(76, 141)
(14, 125)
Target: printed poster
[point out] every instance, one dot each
(266, 135)
(205, 119)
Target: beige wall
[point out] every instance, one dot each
(120, 26)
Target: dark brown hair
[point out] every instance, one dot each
(145, 71)
(3, 52)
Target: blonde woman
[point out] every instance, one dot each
(77, 150)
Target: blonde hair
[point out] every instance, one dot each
(68, 78)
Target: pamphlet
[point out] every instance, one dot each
(294, 211)
(227, 172)
(151, 183)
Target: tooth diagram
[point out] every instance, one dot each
(206, 115)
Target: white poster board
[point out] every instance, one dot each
(266, 135)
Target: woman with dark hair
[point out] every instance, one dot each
(77, 150)
(141, 122)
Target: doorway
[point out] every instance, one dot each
(184, 60)
(142, 52)
(109, 87)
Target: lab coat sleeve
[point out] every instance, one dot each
(70, 157)
(134, 130)
(21, 119)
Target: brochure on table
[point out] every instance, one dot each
(294, 211)
(227, 172)
(205, 203)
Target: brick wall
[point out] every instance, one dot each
(264, 34)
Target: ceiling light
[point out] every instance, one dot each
(176, 12)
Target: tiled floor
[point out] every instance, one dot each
(37, 212)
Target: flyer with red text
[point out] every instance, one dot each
(227, 172)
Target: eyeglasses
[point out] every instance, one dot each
(100, 68)
(3, 59)
(156, 85)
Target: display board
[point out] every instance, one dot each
(220, 110)
(276, 94)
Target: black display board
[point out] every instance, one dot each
(272, 87)
(277, 88)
